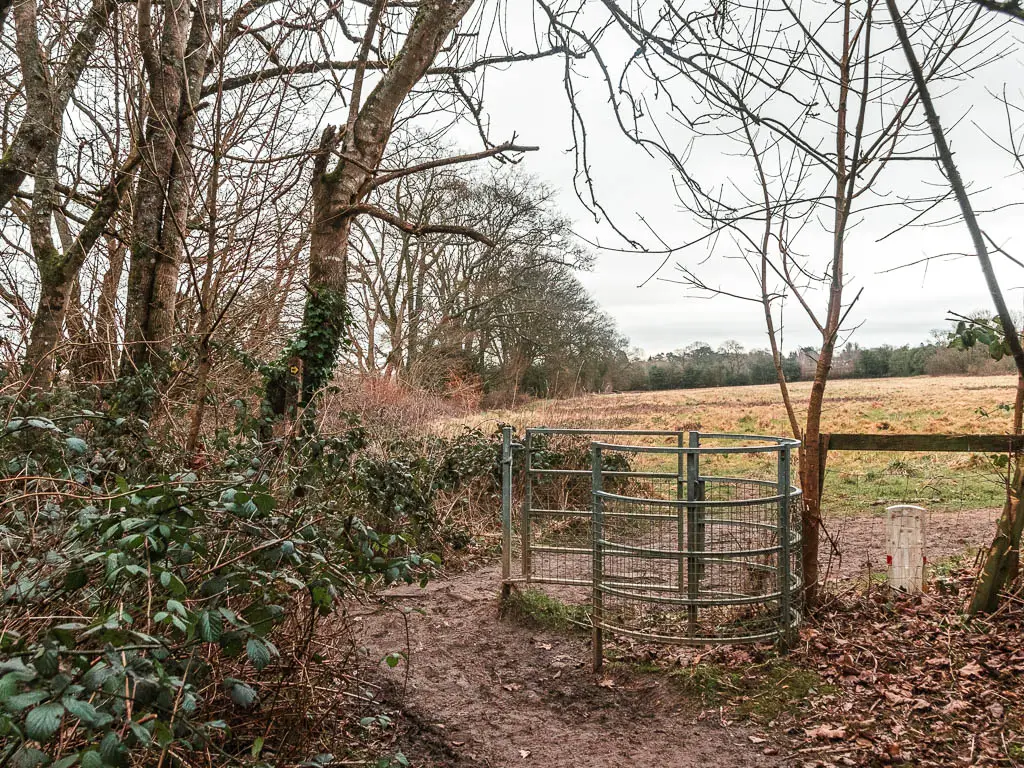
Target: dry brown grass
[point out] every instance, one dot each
(920, 404)
(855, 481)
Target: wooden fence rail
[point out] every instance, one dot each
(840, 441)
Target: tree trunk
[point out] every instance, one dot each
(58, 271)
(55, 283)
(105, 357)
(337, 192)
(202, 391)
(165, 181)
(81, 343)
(1003, 557)
(48, 323)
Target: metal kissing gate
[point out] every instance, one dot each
(679, 537)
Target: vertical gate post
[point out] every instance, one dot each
(597, 535)
(785, 577)
(506, 511)
(681, 511)
(694, 537)
(524, 527)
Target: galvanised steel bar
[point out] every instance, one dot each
(524, 526)
(681, 492)
(747, 438)
(506, 509)
(752, 449)
(539, 512)
(587, 582)
(624, 550)
(609, 473)
(597, 606)
(627, 432)
(697, 502)
(698, 640)
(562, 550)
(581, 513)
(654, 516)
(693, 540)
(784, 562)
(724, 598)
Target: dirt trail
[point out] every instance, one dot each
(489, 692)
(484, 691)
(861, 539)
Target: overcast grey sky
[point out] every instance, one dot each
(895, 308)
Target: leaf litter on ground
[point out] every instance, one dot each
(899, 680)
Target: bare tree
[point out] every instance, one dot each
(346, 171)
(48, 89)
(810, 98)
(51, 70)
(441, 305)
(1003, 557)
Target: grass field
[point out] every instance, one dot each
(855, 482)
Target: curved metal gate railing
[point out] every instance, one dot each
(695, 540)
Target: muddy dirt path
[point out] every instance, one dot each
(487, 692)
(484, 691)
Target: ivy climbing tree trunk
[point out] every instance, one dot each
(339, 194)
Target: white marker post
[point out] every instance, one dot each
(905, 547)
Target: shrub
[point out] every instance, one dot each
(145, 600)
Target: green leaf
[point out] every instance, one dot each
(86, 712)
(18, 668)
(162, 734)
(140, 733)
(91, 759)
(96, 675)
(8, 686)
(47, 663)
(244, 696)
(29, 758)
(262, 618)
(210, 626)
(43, 721)
(76, 445)
(392, 659)
(76, 578)
(25, 700)
(264, 502)
(172, 583)
(112, 751)
(258, 652)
